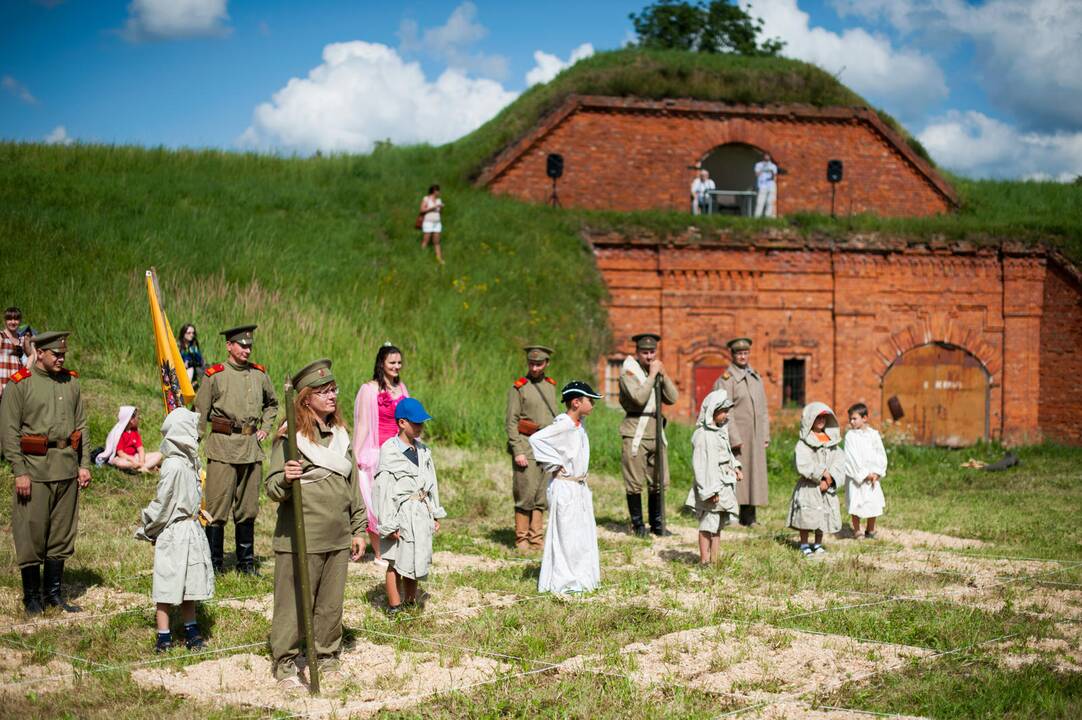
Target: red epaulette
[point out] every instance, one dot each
(214, 369)
(550, 380)
(20, 374)
(520, 382)
(260, 368)
(72, 373)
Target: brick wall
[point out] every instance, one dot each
(1060, 410)
(851, 313)
(633, 156)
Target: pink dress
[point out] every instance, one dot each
(376, 418)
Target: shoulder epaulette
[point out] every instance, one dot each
(550, 380)
(725, 375)
(72, 373)
(214, 369)
(260, 368)
(20, 374)
(520, 382)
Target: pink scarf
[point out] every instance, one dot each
(366, 449)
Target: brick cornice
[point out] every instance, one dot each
(683, 106)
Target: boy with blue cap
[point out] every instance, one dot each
(407, 503)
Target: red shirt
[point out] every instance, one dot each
(129, 443)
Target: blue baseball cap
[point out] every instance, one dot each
(411, 409)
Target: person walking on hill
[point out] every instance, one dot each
(237, 399)
(44, 430)
(374, 424)
(638, 430)
(749, 428)
(531, 406)
(431, 223)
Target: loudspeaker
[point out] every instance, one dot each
(834, 171)
(554, 165)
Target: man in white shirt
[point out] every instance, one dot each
(700, 193)
(766, 173)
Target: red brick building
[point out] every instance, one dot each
(975, 341)
(630, 154)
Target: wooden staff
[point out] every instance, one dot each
(300, 548)
(659, 451)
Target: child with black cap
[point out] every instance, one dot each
(570, 562)
(407, 503)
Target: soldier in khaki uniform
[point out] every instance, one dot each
(638, 429)
(43, 427)
(531, 405)
(238, 401)
(335, 523)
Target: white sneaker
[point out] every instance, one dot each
(819, 550)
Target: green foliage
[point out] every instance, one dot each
(720, 27)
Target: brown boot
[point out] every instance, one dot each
(522, 530)
(537, 529)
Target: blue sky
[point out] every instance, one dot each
(992, 88)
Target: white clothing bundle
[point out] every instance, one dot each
(864, 455)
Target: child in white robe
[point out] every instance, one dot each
(571, 562)
(713, 494)
(865, 466)
(820, 464)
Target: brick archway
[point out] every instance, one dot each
(933, 330)
(737, 131)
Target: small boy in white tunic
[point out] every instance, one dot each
(713, 495)
(865, 466)
(407, 501)
(571, 562)
(820, 464)
(183, 573)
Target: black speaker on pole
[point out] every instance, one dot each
(554, 168)
(834, 171)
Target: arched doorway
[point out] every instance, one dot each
(732, 168)
(942, 392)
(705, 373)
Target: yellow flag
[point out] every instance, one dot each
(177, 389)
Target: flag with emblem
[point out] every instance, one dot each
(177, 389)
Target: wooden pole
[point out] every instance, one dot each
(659, 451)
(300, 549)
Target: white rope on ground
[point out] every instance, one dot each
(891, 598)
(55, 653)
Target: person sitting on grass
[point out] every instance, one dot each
(408, 506)
(820, 461)
(124, 445)
(713, 494)
(182, 570)
(865, 466)
(570, 562)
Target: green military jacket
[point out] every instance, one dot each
(334, 511)
(529, 400)
(634, 394)
(37, 403)
(245, 397)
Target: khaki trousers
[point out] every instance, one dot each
(638, 470)
(44, 527)
(528, 487)
(327, 575)
(233, 489)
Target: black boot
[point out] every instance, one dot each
(32, 590)
(653, 502)
(747, 515)
(216, 539)
(245, 534)
(634, 508)
(54, 587)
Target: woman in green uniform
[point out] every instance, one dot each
(334, 518)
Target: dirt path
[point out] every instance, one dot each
(21, 676)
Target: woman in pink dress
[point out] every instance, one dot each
(374, 424)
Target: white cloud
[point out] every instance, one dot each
(904, 80)
(17, 89)
(451, 43)
(549, 66)
(976, 145)
(364, 92)
(59, 136)
(166, 19)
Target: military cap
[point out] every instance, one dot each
(737, 344)
(56, 340)
(537, 353)
(577, 388)
(646, 341)
(313, 374)
(241, 335)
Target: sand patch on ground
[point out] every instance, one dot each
(443, 561)
(1061, 654)
(95, 601)
(21, 677)
(804, 711)
(964, 572)
(749, 663)
(262, 605)
(920, 538)
(372, 678)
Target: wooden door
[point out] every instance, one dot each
(943, 392)
(706, 373)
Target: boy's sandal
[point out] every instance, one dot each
(393, 610)
(805, 551)
(819, 549)
(869, 535)
(291, 683)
